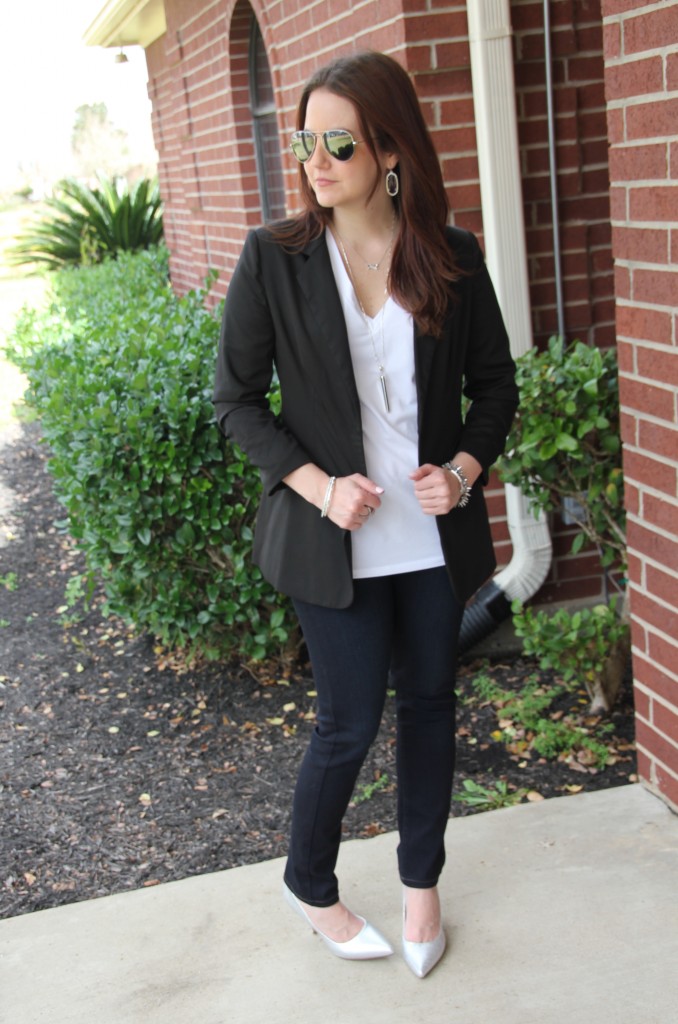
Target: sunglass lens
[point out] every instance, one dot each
(302, 145)
(339, 144)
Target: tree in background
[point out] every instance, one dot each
(98, 146)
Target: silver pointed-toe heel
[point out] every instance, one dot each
(368, 944)
(421, 957)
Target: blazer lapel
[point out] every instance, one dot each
(316, 281)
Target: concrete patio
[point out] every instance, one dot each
(556, 912)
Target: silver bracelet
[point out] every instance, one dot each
(464, 487)
(328, 497)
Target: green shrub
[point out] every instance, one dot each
(577, 645)
(120, 371)
(564, 442)
(85, 224)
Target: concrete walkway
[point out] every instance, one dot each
(563, 911)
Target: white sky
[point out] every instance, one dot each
(46, 72)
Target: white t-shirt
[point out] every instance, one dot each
(399, 537)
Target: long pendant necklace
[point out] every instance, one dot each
(368, 322)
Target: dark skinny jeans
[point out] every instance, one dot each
(400, 633)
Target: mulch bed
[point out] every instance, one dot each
(120, 769)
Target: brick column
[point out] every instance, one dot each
(641, 80)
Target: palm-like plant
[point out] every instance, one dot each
(88, 224)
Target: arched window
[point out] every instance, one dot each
(265, 125)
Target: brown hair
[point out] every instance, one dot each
(423, 266)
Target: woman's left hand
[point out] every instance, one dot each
(436, 490)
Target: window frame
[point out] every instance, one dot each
(270, 178)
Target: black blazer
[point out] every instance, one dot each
(283, 310)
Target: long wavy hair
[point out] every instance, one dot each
(423, 267)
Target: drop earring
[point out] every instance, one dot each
(392, 184)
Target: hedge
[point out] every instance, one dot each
(120, 373)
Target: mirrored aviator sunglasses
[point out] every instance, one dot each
(338, 142)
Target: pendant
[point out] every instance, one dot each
(384, 392)
(373, 266)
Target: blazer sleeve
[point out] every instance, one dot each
(244, 373)
(489, 369)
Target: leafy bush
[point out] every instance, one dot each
(565, 444)
(89, 224)
(120, 371)
(582, 646)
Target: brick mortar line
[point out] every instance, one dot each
(659, 600)
(654, 787)
(671, 463)
(653, 140)
(566, 115)
(643, 98)
(575, 250)
(529, 31)
(640, 55)
(628, 144)
(215, 76)
(632, 375)
(655, 421)
(333, 46)
(646, 185)
(658, 531)
(621, 16)
(179, 47)
(647, 306)
(192, 62)
(665, 767)
(665, 498)
(643, 654)
(654, 756)
(652, 346)
(643, 183)
(658, 307)
(660, 700)
(658, 267)
(215, 5)
(648, 225)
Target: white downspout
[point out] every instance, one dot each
(504, 233)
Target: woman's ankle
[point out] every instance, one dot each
(337, 922)
(422, 914)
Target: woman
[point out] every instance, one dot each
(376, 317)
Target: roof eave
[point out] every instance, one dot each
(127, 23)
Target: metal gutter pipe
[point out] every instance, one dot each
(553, 170)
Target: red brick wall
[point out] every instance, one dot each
(199, 86)
(197, 74)
(581, 153)
(641, 56)
(583, 208)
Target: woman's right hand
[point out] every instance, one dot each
(354, 499)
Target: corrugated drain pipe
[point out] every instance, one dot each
(504, 233)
